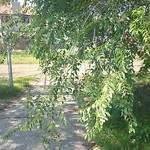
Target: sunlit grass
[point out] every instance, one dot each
(7, 94)
(22, 57)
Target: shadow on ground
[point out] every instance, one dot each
(72, 135)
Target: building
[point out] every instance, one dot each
(14, 10)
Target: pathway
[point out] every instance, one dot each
(72, 137)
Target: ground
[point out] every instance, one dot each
(72, 137)
(21, 70)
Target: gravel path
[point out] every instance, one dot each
(72, 137)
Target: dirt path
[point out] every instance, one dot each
(21, 70)
(72, 136)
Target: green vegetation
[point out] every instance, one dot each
(115, 135)
(19, 57)
(23, 57)
(109, 34)
(7, 94)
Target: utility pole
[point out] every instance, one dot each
(9, 65)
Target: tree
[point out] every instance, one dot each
(10, 39)
(5, 1)
(109, 34)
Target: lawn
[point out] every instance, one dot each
(8, 95)
(22, 57)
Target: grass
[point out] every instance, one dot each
(7, 94)
(22, 57)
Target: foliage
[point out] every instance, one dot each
(115, 135)
(5, 1)
(10, 33)
(140, 30)
(2, 56)
(110, 33)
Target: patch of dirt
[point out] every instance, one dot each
(21, 70)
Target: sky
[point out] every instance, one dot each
(21, 1)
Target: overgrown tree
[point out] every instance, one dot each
(108, 34)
